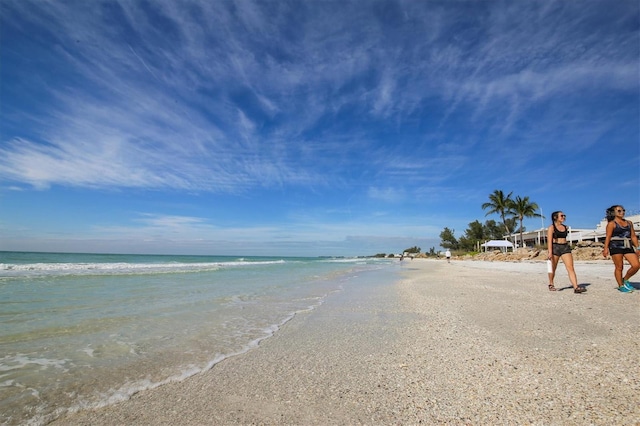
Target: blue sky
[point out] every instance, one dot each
(308, 127)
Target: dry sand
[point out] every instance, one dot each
(462, 343)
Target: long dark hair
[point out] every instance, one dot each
(611, 212)
(554, 216)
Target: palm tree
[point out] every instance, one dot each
(501, 205)
(522, 208)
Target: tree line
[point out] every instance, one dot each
(512, 212)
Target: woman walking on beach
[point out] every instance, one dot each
(619, 243)
(559, 248)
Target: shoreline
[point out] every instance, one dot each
(461, 343)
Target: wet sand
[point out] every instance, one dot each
(460, 343)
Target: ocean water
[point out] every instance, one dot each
(86, 330)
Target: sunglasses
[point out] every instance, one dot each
(620, 210)
(562, 215)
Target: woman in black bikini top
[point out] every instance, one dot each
(557, 234)
(619, 243)
(560, 249)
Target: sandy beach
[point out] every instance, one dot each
(462, 343)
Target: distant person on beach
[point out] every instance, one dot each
(621, 243)
(447, 254)
(559, 248)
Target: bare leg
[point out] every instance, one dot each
(567, 259)
(632, 258)
(618, 262)
(552, 274)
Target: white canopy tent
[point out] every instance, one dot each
(501, 244)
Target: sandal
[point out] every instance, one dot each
(579, 290)
(552, 287)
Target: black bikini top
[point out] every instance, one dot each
(560, 234)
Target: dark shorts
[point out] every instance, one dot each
(560, 249)
(621, 250)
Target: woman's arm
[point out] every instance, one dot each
(610, 226)
(634, 237)
(550, 241)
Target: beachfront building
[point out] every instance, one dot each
(539, 236)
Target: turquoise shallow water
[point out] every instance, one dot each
(85, 330)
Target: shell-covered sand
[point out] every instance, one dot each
(469, 342)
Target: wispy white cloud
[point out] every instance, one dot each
(383, 102)
(388, 195)
(225, 105)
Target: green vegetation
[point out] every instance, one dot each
(478, 233)
(412, 250)
(500, 204)
(448, 240)
(511, 210)
(522, 208)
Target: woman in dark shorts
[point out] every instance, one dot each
(621, 243)
(559, 248)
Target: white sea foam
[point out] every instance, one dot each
(52, 269)
(88, 351)
(100, 331)
(18, 361)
